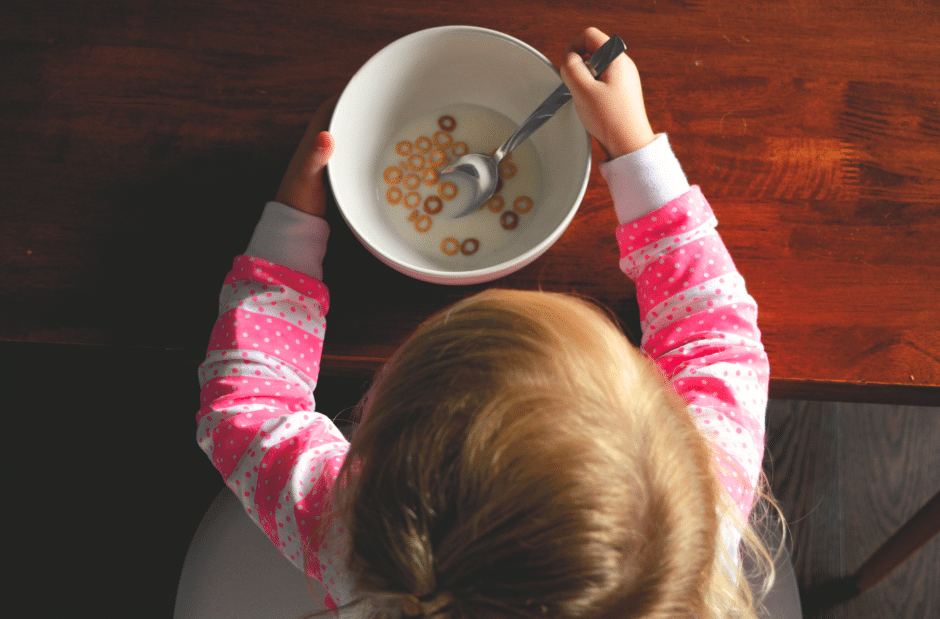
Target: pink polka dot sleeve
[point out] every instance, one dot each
(256, 422)
(700, 325)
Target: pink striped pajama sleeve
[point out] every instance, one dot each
(700, 325)
(256, 422)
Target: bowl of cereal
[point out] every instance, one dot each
(417, 105)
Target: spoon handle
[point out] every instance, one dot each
(598, 62)
(605, 55)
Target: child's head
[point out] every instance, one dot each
(519, 457)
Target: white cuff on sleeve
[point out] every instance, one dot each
(290, 238)
(644, 180)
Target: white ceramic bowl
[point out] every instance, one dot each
(414, 77)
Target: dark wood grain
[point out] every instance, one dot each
(140, 141)
(847, 476)
(893, 469)
(802, 462)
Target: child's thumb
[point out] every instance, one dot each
(323, 150)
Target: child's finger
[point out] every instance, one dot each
(316, 152)
(323, 150)
(594, 39)
(317, 163)
(587, 42)
(320, 122)
(302, 186)
(576, 74)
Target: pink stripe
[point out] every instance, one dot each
(223, 333)
(705, 392)
(231, 390)
(720, 323)
(673, 364)
(313, 531)
(270, 275)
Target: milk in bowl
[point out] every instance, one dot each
(418, 204)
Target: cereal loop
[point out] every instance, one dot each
(450, 246)
(412, 199)
(416, 162)
(433, 205)
(430, 176)
(412, 181)
(423, 223)
(442, 139)
(509, 220)
(496, 203)
(392, 175)
(423, 144)
(437, 158)
(459, 149)
(393, 195)
(447, 123)
(522, 205)
(403, 148)
(413, 215)
(507, 169)
(447, 190)
(469, 247)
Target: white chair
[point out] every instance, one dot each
(233, 570)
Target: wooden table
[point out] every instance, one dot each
(140, 141)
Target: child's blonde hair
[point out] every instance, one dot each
(519, 457)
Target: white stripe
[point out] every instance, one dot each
(253, 361)
(337, 548)
(240, 297)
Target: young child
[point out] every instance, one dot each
(517, 456)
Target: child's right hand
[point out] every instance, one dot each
(611, 108)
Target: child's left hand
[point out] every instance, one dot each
(302, 187)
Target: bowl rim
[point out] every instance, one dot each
(475, 276)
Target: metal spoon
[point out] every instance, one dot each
(482, 171)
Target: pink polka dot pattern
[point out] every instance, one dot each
(256, 422)
(700, 325)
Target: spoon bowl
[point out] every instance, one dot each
(480, 174)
